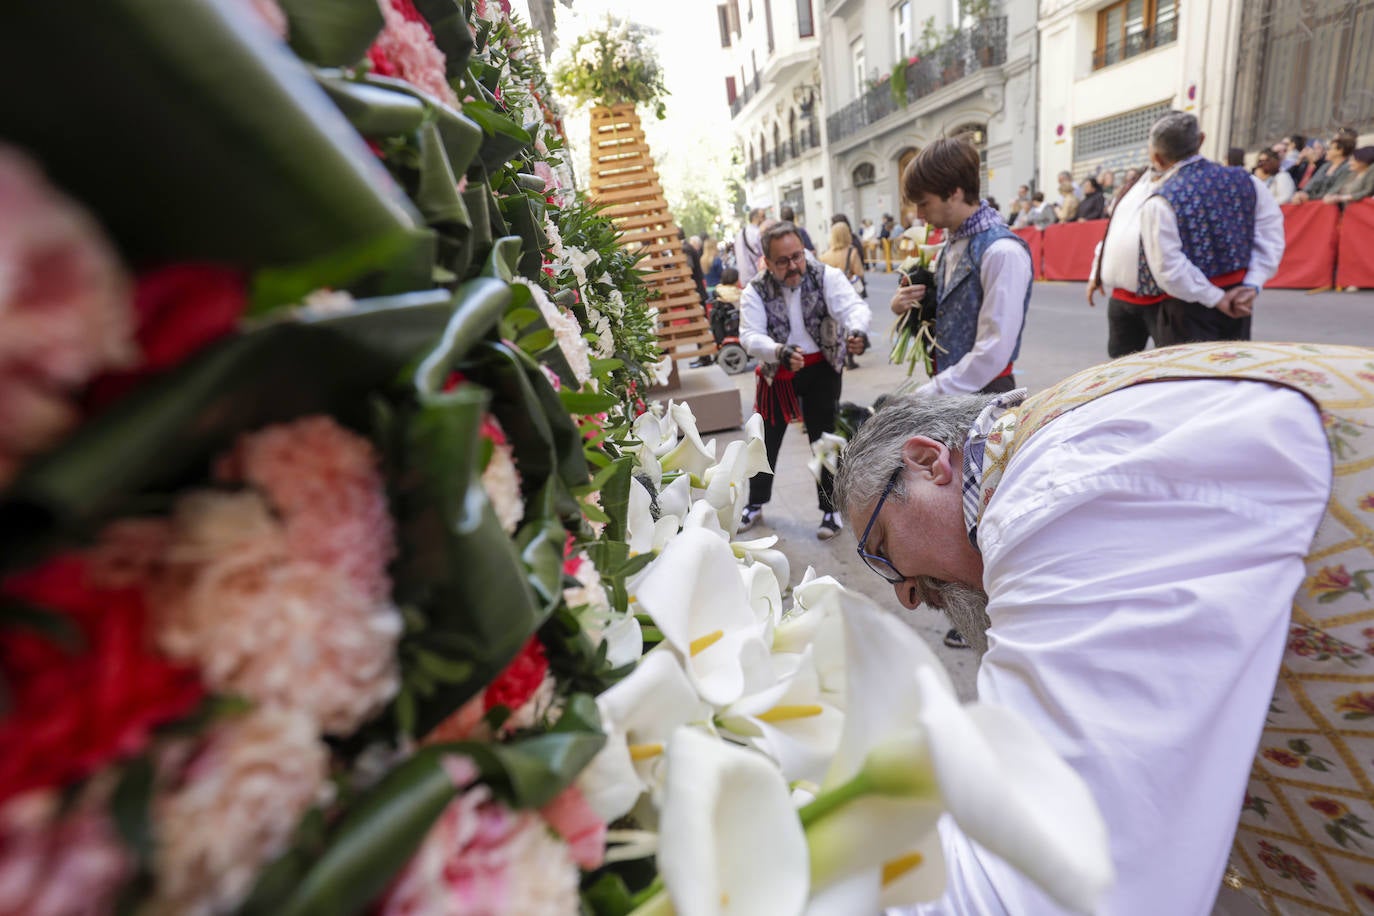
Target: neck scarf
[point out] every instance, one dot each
(974, 447)
(983, 218)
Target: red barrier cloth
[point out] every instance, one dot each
(1355, 256)
(1034, 240)
(1068, 249)
(1309, 255)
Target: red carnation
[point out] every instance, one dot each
(515, 685)
(180, 309)
(75, 710)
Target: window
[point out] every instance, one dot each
(806, 23)
(1127, 132)
(856, 52)
(1131, 27)
(901, 29)
(731, 93)
(865, 174)
(723, 15)
(734, 17)
(749, 12)
(768, 19)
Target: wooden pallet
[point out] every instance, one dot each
(625, 181)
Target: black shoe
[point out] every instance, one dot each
(830, 526)
(701, 361)
(750, 518)
(955, 640)
(850, 362)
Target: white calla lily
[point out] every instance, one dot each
(695, 594)
(765, 595)
(657, 431)
(675, 498)
(791, 721)
(760, 550)
(645, 534)
(910, 750)
(825, 454)
(727, 482)
(639, 714)
(730, 840)
(704, 518)
(690, 454)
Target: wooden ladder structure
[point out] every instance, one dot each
(625, 182)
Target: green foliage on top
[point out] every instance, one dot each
(612, 65)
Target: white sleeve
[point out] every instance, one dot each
(844, 304)
(1006, 276)
(1269, 238)
(1172, 270)
(1284, 189)
(1139, 597)
(753, 327)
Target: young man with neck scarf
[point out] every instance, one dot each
(982, 281)
(800, 318)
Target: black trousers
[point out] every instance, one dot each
(1188, 322)
(1130, 328)
(999, 385)
(818, 391)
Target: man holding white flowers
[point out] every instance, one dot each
(1193, 636)
(799, 318)
(982, 280)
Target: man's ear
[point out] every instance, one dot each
(928, 458)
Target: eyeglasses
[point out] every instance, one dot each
(798, 258)
(881, 565)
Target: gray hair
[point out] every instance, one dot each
(1175, 136)
(876, 450)
(773, 233)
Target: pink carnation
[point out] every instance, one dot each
(325, 484)
(65, 310)
(264, 624)
(580, 827)
(406, 49)
(56, 863)
(235, 809)
(483, 859)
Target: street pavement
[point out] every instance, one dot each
(1063, 335)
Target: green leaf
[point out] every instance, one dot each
(609, 896)
(581, 402)
(461, 135)
(603, 366)
(273, 287)
(478, 306)
(505, 258)
(504, 138)
(332, 33)
(535, 341)
(374, 111)
(437, 196)
(253, 165)
(129, 808)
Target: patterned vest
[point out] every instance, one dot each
(815, 315)
(956, 316)
(1304, 842)
(1215, 207)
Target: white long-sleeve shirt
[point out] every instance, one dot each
(845, 306)
(1140, 592)
(747, 252)
(1006, 275)
(1281, 185)
(1141, 218)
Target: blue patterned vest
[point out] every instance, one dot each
(958, 301)
(1215, 207)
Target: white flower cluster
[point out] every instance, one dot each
(566, 331)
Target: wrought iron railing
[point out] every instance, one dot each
(749, 90)
(981, 46)
(1158, 35)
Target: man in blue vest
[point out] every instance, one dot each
(1210, 237)
(982, 280)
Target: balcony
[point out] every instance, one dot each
(750, 90)
(1157, 35)
(980, 47)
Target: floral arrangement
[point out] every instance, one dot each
(612, 65)
(913, 337)
(369, 582)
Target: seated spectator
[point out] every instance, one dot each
(1332, 174)
(1270, 171)
(1094, 204)
(1067, 209)
(1359, 183)
(1235, 157)
(1015, 210)
(1019, 217)
(1106, 180)
(1041, 211)
(1311, 161)
(1294, 145)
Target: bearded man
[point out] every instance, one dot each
(1168, 561)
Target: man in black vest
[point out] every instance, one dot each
(799, 317)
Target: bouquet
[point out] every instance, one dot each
(610, 66)
(913, 337)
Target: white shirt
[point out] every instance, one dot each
(844, 304)
(1006, 275)
(747, 253)
(1140, 557)
(1177, 276)
(1140, 218)
(1281, 185)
